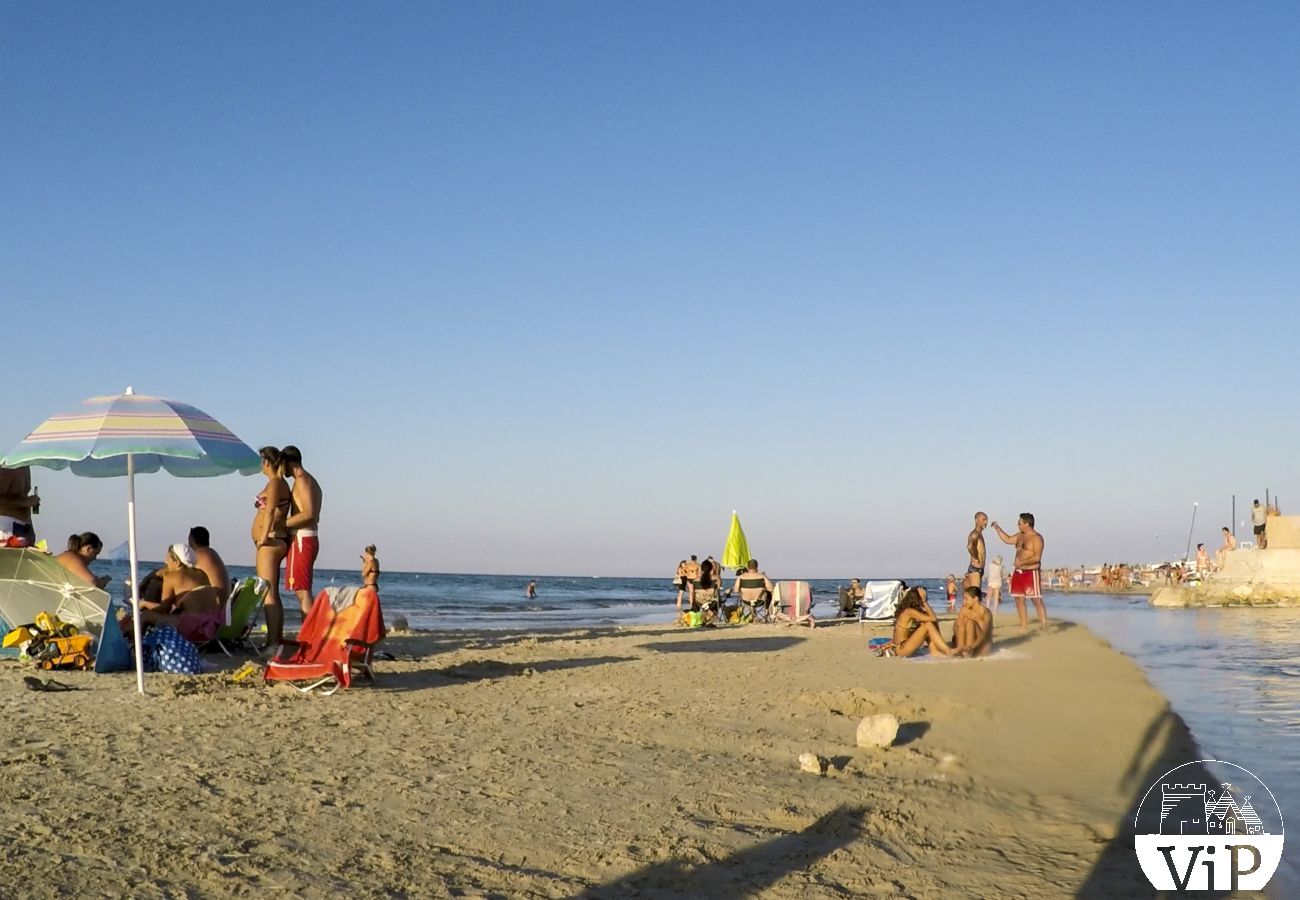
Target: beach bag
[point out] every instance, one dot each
(165, 650)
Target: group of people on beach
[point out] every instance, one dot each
(916, 624)
(192, 586)
(698, 584)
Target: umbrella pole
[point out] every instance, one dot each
(135, 575)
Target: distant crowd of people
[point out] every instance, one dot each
(698, 585)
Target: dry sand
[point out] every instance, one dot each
(645, 761)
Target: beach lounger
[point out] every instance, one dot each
(880, 601)
(241, 615)
(337, 640)
(792, 603)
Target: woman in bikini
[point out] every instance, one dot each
(271, 538)
(916, 625)
(370, 567)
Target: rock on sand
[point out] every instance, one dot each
(877, 731)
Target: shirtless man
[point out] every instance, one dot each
(18, 503)
(975, 550)
(693, 570)
(304, 518)
(974, 629)
(208, 561)
(1229, 544)
(753, 586)
(1026, 580)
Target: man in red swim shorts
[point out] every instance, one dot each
(1025, 578)
(303, 520)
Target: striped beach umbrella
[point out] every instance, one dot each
(130, 433)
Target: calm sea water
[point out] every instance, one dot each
(1232, 674)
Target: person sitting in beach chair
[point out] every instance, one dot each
(850, 597)
(915, 626)
(973, 630)
(703, 593)
(755, 591)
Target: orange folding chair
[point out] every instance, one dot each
(336, 642)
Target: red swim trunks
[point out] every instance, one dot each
(1025, 583)
(300, 563)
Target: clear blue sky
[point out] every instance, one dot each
(553, 287)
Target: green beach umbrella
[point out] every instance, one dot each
(736, 554)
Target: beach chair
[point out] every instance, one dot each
(241, 616)
(880, 602)
(337, 640)
(792, 603)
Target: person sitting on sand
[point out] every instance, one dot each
(370, 569)
(188, 603)
(915, 626)
(82, 550)
(973, 631)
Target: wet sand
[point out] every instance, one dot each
(647, 761)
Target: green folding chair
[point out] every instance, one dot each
(245, 604)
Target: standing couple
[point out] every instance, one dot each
(1026, 582)
(285, 530)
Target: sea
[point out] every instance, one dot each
(1232, 674)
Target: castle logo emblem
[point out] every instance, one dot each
(1196, 832)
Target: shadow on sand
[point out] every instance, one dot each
(736, 645)
(1002, 639)
(426, 643)
(1166, 744)
(746, 873)
(483, 670)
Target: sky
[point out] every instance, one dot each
(552, 288)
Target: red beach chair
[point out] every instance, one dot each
(337, 640)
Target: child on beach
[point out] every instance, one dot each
(951, 585)
(370, 568)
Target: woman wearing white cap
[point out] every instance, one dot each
(188, 602)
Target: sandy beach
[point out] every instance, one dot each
(649, 761)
